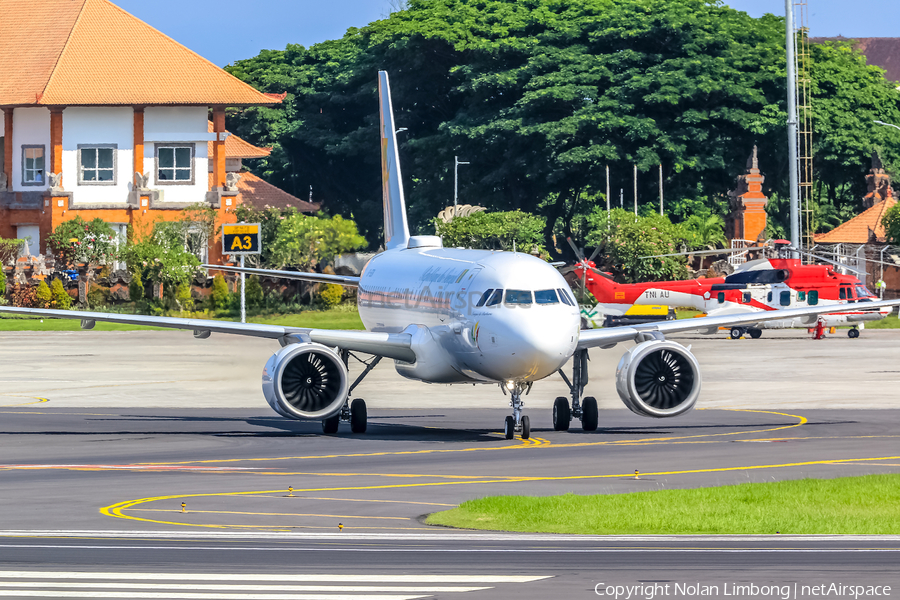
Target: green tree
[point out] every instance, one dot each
(848, 96)
(42, 295)
(84, 245)
(60, 298)
(495, 231)
(136, 286)
(162, 256)
(891, 224)
(2, 280)
(626, 239)
(704, 232)
(303, 241)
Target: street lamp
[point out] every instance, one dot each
(456, 163)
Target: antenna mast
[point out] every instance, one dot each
(792, 124)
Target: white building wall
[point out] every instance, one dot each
(178, 124)
(100, 126)
(31, 126)
(2, 125)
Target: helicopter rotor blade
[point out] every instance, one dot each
(710, 252)
(594, 254)
(834, 262)
(578, 253)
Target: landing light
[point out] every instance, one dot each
(510, 385)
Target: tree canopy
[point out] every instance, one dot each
(540, 96)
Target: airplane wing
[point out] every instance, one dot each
(388, 345)
(608, 337)
(315, 277)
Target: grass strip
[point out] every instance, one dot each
(324, 319)
(864, 505)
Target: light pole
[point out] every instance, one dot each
(456, 163)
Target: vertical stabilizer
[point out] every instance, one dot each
(396, 230)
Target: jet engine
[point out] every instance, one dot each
(305, 381)
(659, 379)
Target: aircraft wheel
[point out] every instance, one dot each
(358, 416)
(562, 415)
(509, 429)
(736, 333)
(853, 333)
(330, 425)
(526, 428)
(589, 414)
(755, 333)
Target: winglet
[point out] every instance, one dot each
(396, 230)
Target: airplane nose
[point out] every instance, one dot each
(529, 347)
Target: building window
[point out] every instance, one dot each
(97, 165)
(175, 164)
(33, 165)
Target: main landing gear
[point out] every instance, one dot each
(853, 333)
(737, 332)
(353, 412)
(517, 421)
(584, 409)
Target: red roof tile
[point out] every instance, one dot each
(91, 52)
(236, 147)
(859, 229)
(261, 194)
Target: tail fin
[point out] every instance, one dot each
(396, 229)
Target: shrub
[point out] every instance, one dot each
(183, 297)
(2, 281)
(253, 291)
(60, 297)
(22, 296)
(331, 295)
(220, 294)
(136, 287)
(98, 296)
(42, 295)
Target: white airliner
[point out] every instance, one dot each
(451, 315)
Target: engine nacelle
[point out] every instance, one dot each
(658, 379)
(305, 381)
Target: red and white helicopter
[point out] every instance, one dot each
(760, 285)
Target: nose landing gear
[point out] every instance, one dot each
(517, 421)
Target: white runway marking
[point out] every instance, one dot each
(271, 577)
(184, 586)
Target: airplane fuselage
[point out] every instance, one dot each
(525, 329)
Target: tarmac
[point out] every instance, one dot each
(105, 435)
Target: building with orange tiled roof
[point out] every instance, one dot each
(104, 116)
(252, 190)
(864, 228)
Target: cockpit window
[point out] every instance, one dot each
(496, 297)
(567, 297)
(863, 292)
(518, 297)
(484, 298)
(546, 297)
(562, 296)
